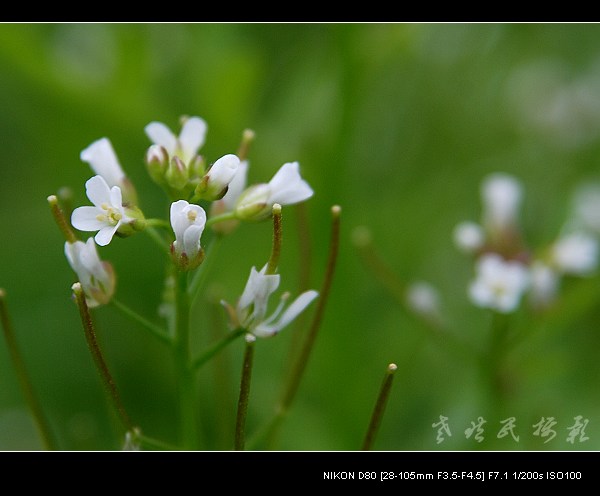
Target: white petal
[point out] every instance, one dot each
(102, 158)
(105, 235)
(160, 134)
(178, 219)
(116, 198)
(191, 240)
(223, 170)
(295, 309)
(72, 251)
(84, 219)
(191, 137)
(90, 259)
(257, 291)
(98, 191)
(287, 186)
(236, 186)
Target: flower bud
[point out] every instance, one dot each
(177, 175)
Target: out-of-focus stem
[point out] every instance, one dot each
(277, 238)
(39, 418)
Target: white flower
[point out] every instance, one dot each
(106, 216)
(186, 145)
(252, 306)
(97, 278)
(499, 284)
(468, 236)
(424, 299)
(101, 157)
(187, 221)
(576, 253)
(587, 207)
(213, 185)
(501, 195)
(285, 188)
(544, 283)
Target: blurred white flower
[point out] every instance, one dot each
(228, 202)
(286, 188)
(97, 278)
(186, 145)
(468, 236)
(499, 284)
(544, 282)
(251, 309)
(576, 254)
(587, 207)
(501, 195)
(423, 299)
(106, 216)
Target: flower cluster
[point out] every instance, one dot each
(174, 163)
(506, 268)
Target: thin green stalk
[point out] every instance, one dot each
(156, 331)
(185, 374)
(41, 422)
(493, 360)
(377, 415)
(61, 221)
(242, 409)
(301, 362)
(215, 348)
(277, 238)
(158, 223)
(220, 218)
(199, 276)
(92, 341)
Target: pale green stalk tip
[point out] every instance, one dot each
(276, 209)
(336, 211)
(392, 367)
(2, 293)
(53, 200)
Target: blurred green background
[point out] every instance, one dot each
(397, 123)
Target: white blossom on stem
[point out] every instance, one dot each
(575, 253)
(186, 145)
(286, 188)
(251, 310)
(501, 194)
(499, 283)
(187, 221)
(214, 184)
(468, 237)
(106, 216)
(97, 278)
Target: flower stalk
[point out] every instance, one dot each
(97, 355)
(41, 422)
(242, 409)
(380, 405)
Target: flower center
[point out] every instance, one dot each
(112, 215)
(191, 215)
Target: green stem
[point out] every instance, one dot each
(61, 221)
(493, 360)
(201, 273)
(242, 410)
(277, 238)
(302, 361)
(41, 422)
(156, 331)
(158, 239)
(158, 223)
(384, 392)
(185, 375)
(220, 218)
(92, 341)
(215, 348)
